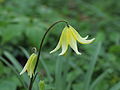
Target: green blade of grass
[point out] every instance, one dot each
(116, 86)
(13, 61)
(16, 64)
(46, 69)
(24, 51)
(74, 66)
(99, 79)
(58, 74)
(65, 69)
(14, 70)
(91, 68)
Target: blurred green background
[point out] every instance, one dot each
(22, 25)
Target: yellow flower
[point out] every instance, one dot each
(30, 65)
(69, 36)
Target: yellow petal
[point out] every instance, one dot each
(73, 43)
(64, 48)
(59, 43)
(30, 74)
(26, 65)
(57, 47)
(79, 38)
(30, 65)
(24, 70)
(85, 37)
(64, 42)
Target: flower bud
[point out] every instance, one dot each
(30, 65)
(41, 85)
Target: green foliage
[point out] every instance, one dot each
(22, 25)
(5, 81)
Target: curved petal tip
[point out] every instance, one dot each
(78, 53)
(86, 37)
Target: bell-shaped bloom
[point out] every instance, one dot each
(30, 65)
(70, 37)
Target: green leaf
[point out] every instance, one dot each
(16, 64)
(5, 84)
(116, 86)
(99, 79)
(13, 69)
(90, 70)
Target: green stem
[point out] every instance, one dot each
(39, 52)
(31, 83)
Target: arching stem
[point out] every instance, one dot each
(39, 51)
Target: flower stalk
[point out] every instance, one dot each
(39, 51)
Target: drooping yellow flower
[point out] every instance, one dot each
(30, 65)
(70, 37)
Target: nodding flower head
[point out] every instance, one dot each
(70, 37)
(30, 65)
